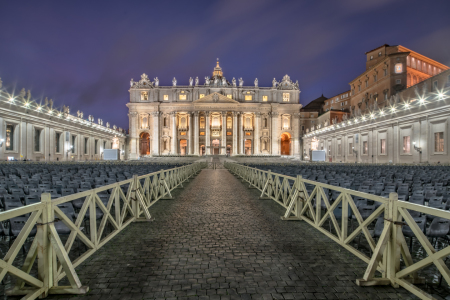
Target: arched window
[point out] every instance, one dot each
(215, 121)
(248, 122)
(144, 122)
(286, 122)
(229, 123)
(183, 122)
(202, 122)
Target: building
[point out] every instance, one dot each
(34, 131)
(219, 116)
(389, 70)
(412, 128)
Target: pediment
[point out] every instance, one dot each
(215, 98)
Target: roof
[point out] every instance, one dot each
(316, 104)
(385, 45)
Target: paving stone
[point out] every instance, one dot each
(216, 240)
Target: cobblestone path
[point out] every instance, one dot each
(217, 241)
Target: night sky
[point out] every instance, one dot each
(84, 53)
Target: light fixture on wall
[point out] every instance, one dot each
(418, 149)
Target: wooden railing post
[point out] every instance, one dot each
(134, 204)
(44, 248)
(393, 247)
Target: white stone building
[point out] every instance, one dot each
(39, 132)
(413, 127)
(217, 117)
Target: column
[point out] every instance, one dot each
(296, 137)
(223, 149)
(275, 135)
(133, 119)
(189, 134)
(155, 133)
(173, 148)
(242, 150)
(196, 137)
(235, 139)
(208, 130)
(256, 133)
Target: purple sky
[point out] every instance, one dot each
(84, 53)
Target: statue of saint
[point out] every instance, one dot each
(241, 82)
(256, 82)
(46, 101)
(191, 81)
(234, 81)
(207, 81)
(196, 81)
(274, 83)
(131, 82)
(156, 83)
(50, 103)
(224, 81)
(216, 81)
(174, 81)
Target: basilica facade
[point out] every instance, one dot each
(219, 116)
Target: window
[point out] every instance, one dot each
(166, 97)
(438, 142)
(95, 147)
(385, 72)
(183, 133)
(86, 143)
(285, 123)
(202, 122)
(229, 123)
(375, 78)
(406, 144)
(57, 143)
(383, 146)
(398, 81)
(264, 98)
(248, 97)
(312, 116)
(202, 133)
(182, 97)
(367, 83)
(350, 148)
(9, 141)
(332, 101)
(73, 144)
(286, 97)
(37, 140)
(202, 95)
(359, 88)
(248, 133)
(365, 147)
(353, 92)
(371, 57)
(229, 96)
(435, 86)
(398, 68)
(342, 103)
(379, 54)
(339, 149)
(345, 102)
(144, 96)
(385, 96)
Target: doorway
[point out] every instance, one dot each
(285, 144)
(248, 147)
(144, 143)
(183, 147)
(215, 144)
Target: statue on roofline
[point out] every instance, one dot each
(156, 83)
(234, 81)
(174, 81)
(241, 82)
(191, 81)
(196, 81)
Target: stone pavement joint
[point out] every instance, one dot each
(216, 240)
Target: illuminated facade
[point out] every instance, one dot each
(219, 116)
(39, 132)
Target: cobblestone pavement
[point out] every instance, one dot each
(217, 241)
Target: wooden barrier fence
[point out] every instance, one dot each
(390, 255)
(129, 201)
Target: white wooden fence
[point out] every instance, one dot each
(53, 256)
(386, 254)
